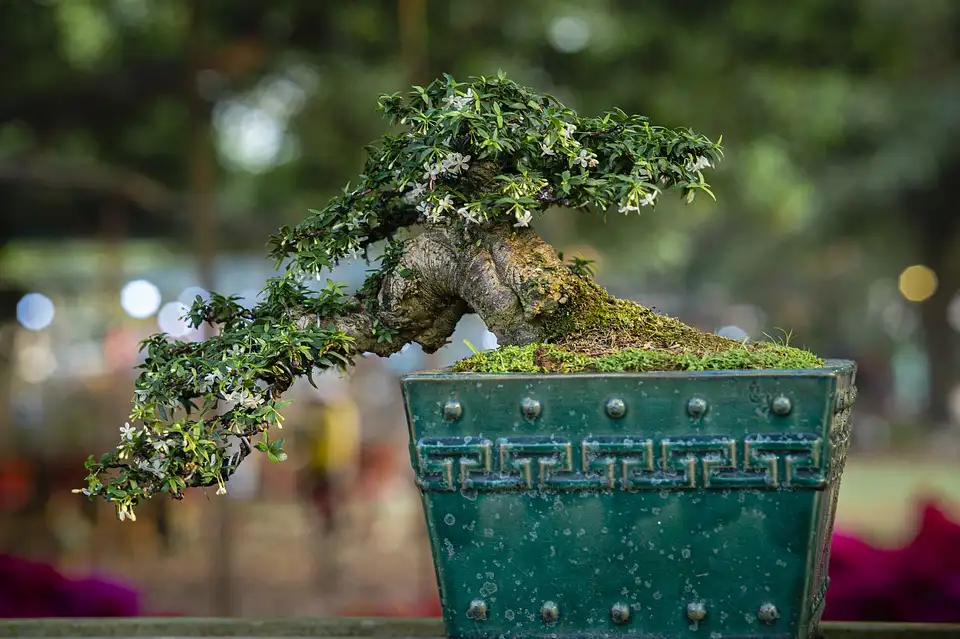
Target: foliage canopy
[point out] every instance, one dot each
(465, 156)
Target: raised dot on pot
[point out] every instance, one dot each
(616, 408)
(696, 611)
(768, 614)
(781, 406)
(696, 407)
(530, 408)
(452, 410)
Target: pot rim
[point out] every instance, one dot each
(831, 368)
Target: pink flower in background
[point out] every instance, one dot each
(917, 583)
(30, 589)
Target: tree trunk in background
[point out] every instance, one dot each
(939, 243)
(412, 16)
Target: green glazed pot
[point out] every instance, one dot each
(655, 505)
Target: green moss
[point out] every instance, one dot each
(594, 322)
(596, 332)
(550, 358)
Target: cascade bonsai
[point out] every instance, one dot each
(451, 197)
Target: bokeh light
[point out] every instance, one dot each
(170, 319)
(36, 362)
(35, 311)
(917, 283)
(569, 34)
(140, 298)
(953, 313)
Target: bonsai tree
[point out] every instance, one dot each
(452, 196)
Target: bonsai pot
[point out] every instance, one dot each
(669, 505)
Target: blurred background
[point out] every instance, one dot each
(148, 148)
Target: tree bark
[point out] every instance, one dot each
(510, 277)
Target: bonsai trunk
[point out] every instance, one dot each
(523, 292)
(510, 277)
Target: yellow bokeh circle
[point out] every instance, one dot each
(918, 282)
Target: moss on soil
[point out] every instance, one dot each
(597, 332)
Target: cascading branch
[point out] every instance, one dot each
(451, 196)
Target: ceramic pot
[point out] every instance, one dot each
(668, 505)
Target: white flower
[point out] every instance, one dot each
(245, 398)
(155, 466)
(634, 203)
(127, 431)
(457, 102)
(354, 252)
(124, 511)
(585, 159)
(163, 445)
(701, 163)
(429, 211)
(141, 394)
(523, 218)
(431, 171)
(455, 162)
(417, 192)
(249, 400)
(221, 490)
(445, 204)
(546, 150)
(648, 199)
(79, 491)
(568, 130)
(467, 215)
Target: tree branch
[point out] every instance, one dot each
(138, 189)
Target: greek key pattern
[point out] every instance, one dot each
(534, 463)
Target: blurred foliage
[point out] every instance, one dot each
(839, 121)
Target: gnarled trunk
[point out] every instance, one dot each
(510, 277)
